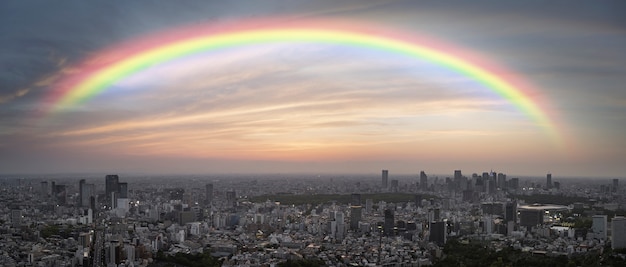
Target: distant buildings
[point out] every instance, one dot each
(423, 181)
(549, 181)
(385, 178)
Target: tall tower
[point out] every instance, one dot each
(81, 190)
(549, 181)
(111, 185)
(618, 235)
(385, 178)
(389, 222)
(615, 185)
(423, 181)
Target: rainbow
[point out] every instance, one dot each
(103, 70)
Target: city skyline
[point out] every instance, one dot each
(202, 87)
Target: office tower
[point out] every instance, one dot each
(549, 181)
(423, 181)
(501, 181)
(514, 183)
(86, 191)
(615, 185)
(457, 175)
(618, 234)
(557, 185)
(599, 226)
(123, 190)
(389, 223)
(356, 200)
(385, 178)
(81, 184)
(369, 205)
(60, 194)
(510, 212)
(355, 217)
(340, 224)
(437, 233)
(208, 199)
(110, 186)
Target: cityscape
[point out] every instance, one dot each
(343, 220)
(312, 133)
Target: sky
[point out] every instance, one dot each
(318, 107)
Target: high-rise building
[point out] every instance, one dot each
(615, 185)
(423, 181)
(208, 194)
(81, 184)
(437, 233)
(549, 181)
(510, 212)
(599, 226)
(355, 217)
(369, 205)
(514, 183)
(389, 223)
(457, 174)
(110, 186)
(618, 232)
(501, 181)
(86, 192)
(385, 178)
(123, 189)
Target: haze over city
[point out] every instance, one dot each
(324, 105)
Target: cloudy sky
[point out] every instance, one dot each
(317, 107)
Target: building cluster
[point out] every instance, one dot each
(105, 222)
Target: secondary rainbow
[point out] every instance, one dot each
(106, 68)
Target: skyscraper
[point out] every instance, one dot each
(437, 232)
(618, 234)
(85, 192)
(549, 181)
(389, 223)
(123, 189)
(81, 185)
(385, 178)
(615, 185)
(423, 181)
(111, 185)
(355, 217)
